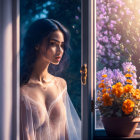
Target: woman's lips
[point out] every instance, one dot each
(58, 58)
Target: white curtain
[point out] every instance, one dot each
(9, 42)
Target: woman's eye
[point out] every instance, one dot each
(62, 46)
(52, 43)
(56, 44)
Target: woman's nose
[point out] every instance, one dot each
(59, 48)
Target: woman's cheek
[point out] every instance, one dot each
(51, 52)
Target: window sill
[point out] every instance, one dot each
(135, 137)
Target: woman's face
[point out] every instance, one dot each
(52, 47)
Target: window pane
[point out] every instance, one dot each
(118, 41)
(68, 13)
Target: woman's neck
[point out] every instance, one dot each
(40, 71)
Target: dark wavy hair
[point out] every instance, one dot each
(34, 36)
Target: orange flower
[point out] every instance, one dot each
(128, 88)
(129, 81)
(102, 81)
(99, 99)
(133, 91)
(104, 76)
(128, 106)
(128, 70)
(109, 90)
(119, 84)
(101, 85)
(107, 100)
(104, 90)
(136, 94)
(128, 75)
(117, 89)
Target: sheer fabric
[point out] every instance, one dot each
(66, 126)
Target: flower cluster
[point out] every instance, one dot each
(107, 41)
(130, 73)
(116, 38)
(117, 94)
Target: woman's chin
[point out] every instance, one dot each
(56, 63)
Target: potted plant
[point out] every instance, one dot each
(118, 100)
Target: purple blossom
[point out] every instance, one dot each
(101, 16)
(108, 46)
(106, 32)
(111, 26)
(118, 58)
(127, 66)
(112, 56)
(134, 82)
(127, 41)
(100, 73)
(105, 60)
(113, 39)
(109, 17)
(118, 76)
(118, 36)
(128, 12)
(109, 10)
(110, 33)
(108, 79)
(105, 39)
(113, 22)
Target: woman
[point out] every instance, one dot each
(46, 110)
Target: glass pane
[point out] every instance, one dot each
(117, 47)
(68, 13)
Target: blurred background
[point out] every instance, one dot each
(67, 12)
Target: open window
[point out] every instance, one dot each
(116, 41)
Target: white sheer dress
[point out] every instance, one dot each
(56, 120)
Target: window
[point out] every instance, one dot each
(117, 41)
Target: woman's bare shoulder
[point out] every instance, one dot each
(24, 90)
(62, 82)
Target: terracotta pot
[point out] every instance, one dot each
(120, 126)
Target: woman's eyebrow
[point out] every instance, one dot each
(56, 40)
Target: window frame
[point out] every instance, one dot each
(9, 72)
(87, 58)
